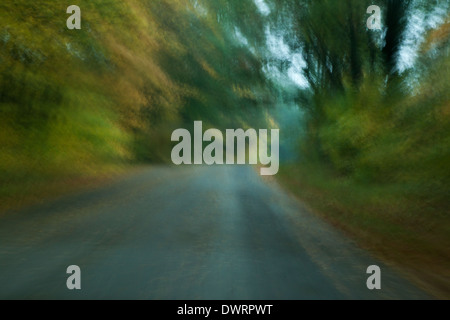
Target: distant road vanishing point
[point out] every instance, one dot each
(193, 232)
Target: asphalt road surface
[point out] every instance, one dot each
(185, 233)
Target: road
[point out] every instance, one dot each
(191, 232)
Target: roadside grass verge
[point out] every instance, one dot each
(22, 190)
(390, 221)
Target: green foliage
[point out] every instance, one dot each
(76, 100)
(367, 120)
